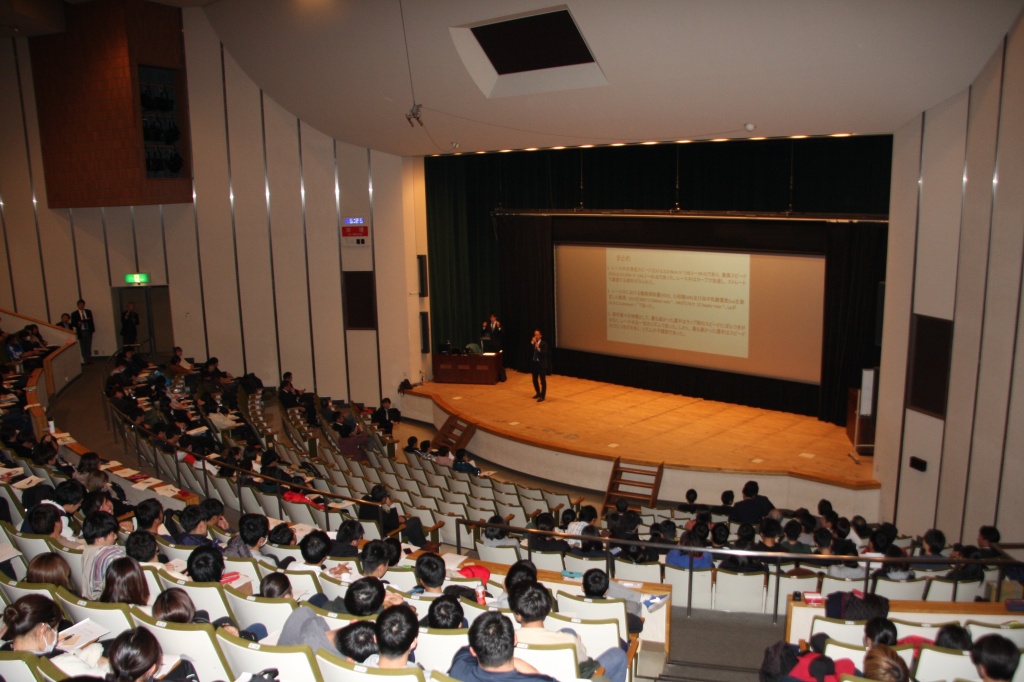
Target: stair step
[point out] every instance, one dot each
(635, 496)
(638, 484)
(634, 470)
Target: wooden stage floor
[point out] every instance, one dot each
(601, 420)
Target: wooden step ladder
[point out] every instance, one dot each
(455, 434)
(637, 482)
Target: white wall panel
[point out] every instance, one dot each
(982, 129)
(322, 234)
(1002, 306)
(209, 165)
(354, 199)
(898, 291)
(150, 240)
(92, 270)
(938, 227)
(281, 130)
(120, 243)
(363, 368)
(183, 280)
(922, 437)
(252, 236)
(395, 265)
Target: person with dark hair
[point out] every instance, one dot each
(142, 547)
(543, 543)
(861, 532)
(690, 552)
(205, 565)
(489, 656)
(385, 417)
(540, 365)
(50, 568)
(522, 571)
(381, 511)
(790, 542)
(691, 506)
(932, 544)
(592, 547)
(125, 583)
(46, 519)
(281, 535)
(531, 604)
(753, 507)
(880, 630)
(253, 531)
(742, 564)
(397, 631)
(464, 464)
(276, 586)
(357, 641)
(596, 585)
(314, 548)
(720, 536)
(846, 569)
(953, 636)
(996, 658)
(896, 570)
(445, 613)
(367, 596)
(66, 499)
(769, 530)
(724, 509)
(100, 533)
(373, 559)
(346, 540)
(149, 516)
(430, 574)
(31, 626)
(214, 511)
(175, 606)
(498, 537)
(987, 536)
(394, 548)
(192, 520)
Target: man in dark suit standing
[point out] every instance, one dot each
(84, 325)
(540, 366)
(129, 326)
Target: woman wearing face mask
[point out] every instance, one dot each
(32, 627)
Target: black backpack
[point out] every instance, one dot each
(779, 659)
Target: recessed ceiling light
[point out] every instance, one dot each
(481, 152)
(586, 146)
(648, 143)
(530, 149)
(558, 147)
(504, 151)
(720, 139)
(841, 135)
(798, 137)
(757, 138)
(618, 144)
(683, 141)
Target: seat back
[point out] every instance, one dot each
(936, 663)
(943, 589)
(855, 652)
(250, 609)
(578, 564)
(597, 635)
(14, 590)
(788, 584)
(114, 617)
(741, 592)
(206, 596)
(172, 551)
(436, 647)
(548, 561)
(295, 663)
(557, 660)
(471, 610)
(331, 667)
(1012, 632)
(74, 559)
(304, 583)
(848, 631)
(679, 579)
(586, 608)
(910, 590)
(906, 628)
(196, 641)
(645, 573)
(31, 545)
(498, 555)
(19, 666)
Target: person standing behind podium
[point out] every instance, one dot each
(84, 325)
(492, 333)
(129, 326)
(540, 366)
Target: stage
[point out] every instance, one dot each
(583, 425)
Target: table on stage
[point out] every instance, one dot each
(467, 369)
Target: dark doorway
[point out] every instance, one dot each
(153, 304)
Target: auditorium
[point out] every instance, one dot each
(346, 191)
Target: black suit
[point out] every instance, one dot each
(129, 327)
(492, 343)
(540, 367)
(84, 325)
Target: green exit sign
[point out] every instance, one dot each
(137, 278)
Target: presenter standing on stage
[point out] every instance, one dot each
(540, 366)
(491, 338)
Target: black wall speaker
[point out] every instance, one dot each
(424, 333)
(421, 265)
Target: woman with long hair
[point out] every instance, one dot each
(125, 583)
(31, 626)
(135, 656)
(51, 568)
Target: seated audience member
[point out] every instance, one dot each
(346, 540)
(897, 570)
(720, 536)
(966, 572)
(690, 551)
(125, 583)
(281, 535)
(357, 641)
(253, 532)
(861, 532)
(388, 517)
(205, 565)
(45, 519)
(953, 636)
(50, 568)
(385, 416)
(192, 520)
(175, 606)
(790, 542)
(445, 613)
(522, 571)
(880, 630)
(367, 596)
(746, 533)
(214, 510)
(31, 626)
(276, 586)
(724, 509)
(691, 506)
(443, 457)
(592, 547)
(596, 585)
(882, 664)
(149, 517)
(531, 604)
(933, 543)
(373, 559)
(135, 656)
(498, 537)
(464, 464)
(841, 528)
(142, 547)
(430, 574)
(396, 632)
(846, 569)
(753, 507)
(489, 656)
(543, 543)
(99, 530)
(769, 530)
(987, 536)
(996, 658)
(742, 564)
(314, 548)
(586, 517)
(304, 626)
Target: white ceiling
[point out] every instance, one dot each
(676, 69)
